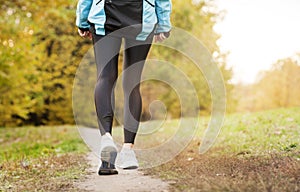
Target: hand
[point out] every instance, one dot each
(161, 37)
(85, 34)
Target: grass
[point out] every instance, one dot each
(262, 133)
(254, 152)
(41, 158)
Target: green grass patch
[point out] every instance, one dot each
(41, 158)
(254, 152)
(262, 133)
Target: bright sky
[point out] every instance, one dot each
(258, 33)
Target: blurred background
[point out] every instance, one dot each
(255, 44)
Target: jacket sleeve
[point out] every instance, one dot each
(163, 10)
(82, 13)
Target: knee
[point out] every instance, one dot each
(107, 79)
(132, 92)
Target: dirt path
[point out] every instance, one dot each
(126, 180)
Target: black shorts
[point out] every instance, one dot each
(123, 17)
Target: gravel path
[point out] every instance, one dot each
(126, 180)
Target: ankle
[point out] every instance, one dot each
(127, 145)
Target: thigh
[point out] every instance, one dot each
(135, 55)
(106, 50)
(135, 51)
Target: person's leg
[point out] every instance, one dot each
(106, 51)
(134, 58)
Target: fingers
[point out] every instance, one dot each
(160, 37)
(157, 38)
(81, 33)
(85, 34)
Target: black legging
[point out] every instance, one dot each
(106, 49)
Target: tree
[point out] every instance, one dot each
(18, 75)
(40, 55)
(278, 87)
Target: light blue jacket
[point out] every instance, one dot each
(93, 11)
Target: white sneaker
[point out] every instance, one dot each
(108, 154)
(127, 159)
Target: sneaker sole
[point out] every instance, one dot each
(108, 158)
(107, 171)
(129, 166)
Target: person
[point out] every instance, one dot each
(107, 22)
